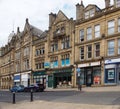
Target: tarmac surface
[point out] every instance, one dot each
(40, 104)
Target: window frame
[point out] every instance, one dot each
(97, 31)
(82, 35)
(89, 33)
(97, 51)
(89, 52)
(111, 27)
(111, 47)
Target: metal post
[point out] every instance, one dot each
(31, 95)
(13, 97)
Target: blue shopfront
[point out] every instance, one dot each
(17, 79)
(112, 71)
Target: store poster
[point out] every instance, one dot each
(111, 74)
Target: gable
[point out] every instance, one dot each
(60, 17)
(89, 7)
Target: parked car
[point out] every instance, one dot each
(19, 88)
(34, 88)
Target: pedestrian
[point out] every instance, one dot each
(79, 86)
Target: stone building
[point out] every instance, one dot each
(16, 59)
(40, 57)
(97, 43)
(85, 50)
(7, 63)
(60, 51)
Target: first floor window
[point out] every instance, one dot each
(111, 48)
(81, 53)
(89, 51)
(97, 50)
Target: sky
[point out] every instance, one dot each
(14, 12)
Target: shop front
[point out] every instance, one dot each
(40, 77)
(90, 73)
(62, 78)
(25, 79)
(112, 71)
(16, 79)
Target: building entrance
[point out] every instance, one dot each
(89, 77)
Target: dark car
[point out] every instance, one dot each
(34, 88)
(19, 88)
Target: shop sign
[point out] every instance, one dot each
(112, 61)
(39, 73)
(62, 70)
(46, 65)
(83, 65)
(16, 77)
(95, 63)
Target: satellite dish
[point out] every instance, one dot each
(10, 36)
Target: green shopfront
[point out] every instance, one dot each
(60, 78)
(40, 77)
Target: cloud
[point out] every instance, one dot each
(14, 12)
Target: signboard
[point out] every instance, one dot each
(110, 74)
(46, 65)
(97, 80)
(78, 69)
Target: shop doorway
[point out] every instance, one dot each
(88, 77)
(119, 77)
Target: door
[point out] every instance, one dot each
(118, 76)
(50, 81)
(89, 77)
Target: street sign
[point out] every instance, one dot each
(78, 70)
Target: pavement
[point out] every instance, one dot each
(56, 105)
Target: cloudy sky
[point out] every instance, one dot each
(14, 12)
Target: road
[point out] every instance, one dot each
(66, 96)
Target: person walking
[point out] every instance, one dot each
(79, 85)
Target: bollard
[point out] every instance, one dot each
(13, 97)
(31, 95)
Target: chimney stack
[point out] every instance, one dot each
(52, 18)
(80, 11)
(107, 3)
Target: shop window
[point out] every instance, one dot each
(111, 27)
(111, 48)
(81, 35)
(97, 31)
(89, 33)
(110, 75)
(67, 62)
(62, 62)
